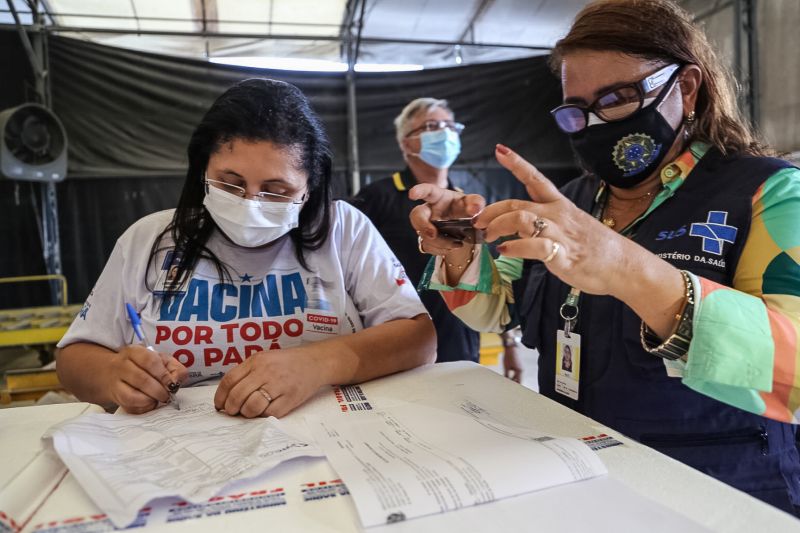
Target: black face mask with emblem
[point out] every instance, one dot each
(625, 153)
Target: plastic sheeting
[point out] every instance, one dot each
(444, 32)
(131, 114)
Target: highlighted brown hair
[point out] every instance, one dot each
(659, 30)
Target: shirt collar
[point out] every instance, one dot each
(674, 174)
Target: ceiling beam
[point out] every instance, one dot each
(354, 59)
(35, 61)
(197, 19)
(204, 13)
(47, 11)
(480, 10)
(346, 28)
(135, 14)
(235, 35)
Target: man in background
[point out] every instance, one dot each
(430, 141)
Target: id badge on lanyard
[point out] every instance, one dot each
(568, 349)
(568, 343)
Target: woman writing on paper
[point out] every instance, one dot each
(257, 275)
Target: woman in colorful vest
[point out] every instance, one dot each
(669, 269)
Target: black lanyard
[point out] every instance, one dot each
(569, 309)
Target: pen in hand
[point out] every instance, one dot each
(136, 322)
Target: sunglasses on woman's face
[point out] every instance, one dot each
(613, 105)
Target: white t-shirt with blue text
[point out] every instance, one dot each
(353, 281)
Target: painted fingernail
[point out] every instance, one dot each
(501, 248)
(503, 149)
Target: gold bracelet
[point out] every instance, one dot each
(676, 345)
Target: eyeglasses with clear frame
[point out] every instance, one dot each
(436, 125)
(261, 196)
(614, 105)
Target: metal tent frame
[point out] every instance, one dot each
(348, 34)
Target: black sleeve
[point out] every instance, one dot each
(368, 203)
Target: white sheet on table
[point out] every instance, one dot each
(123, 461)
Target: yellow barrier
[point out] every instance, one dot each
(36, 325)
(30, 327)
(32, 384)
(42, 277)
(491, 348)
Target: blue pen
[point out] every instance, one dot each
(137, 329)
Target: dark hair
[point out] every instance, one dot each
(659, 30)
(252, 110)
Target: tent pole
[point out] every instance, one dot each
(352, 113)
(37, 55)
(33, 58)
(352, 133)
(51, 237)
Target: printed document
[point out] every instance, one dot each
(409, 461)
(123, 461)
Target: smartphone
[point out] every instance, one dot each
(459, 229)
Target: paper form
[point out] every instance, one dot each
(123, 461)
(410, 461)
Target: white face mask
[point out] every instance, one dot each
(250, 223)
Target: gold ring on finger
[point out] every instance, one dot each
(265, 394)
(553, 252)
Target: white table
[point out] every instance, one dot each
(28, 471)
(306, 495)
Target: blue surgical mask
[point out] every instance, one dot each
(439, 148)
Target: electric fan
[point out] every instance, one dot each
(33, 144)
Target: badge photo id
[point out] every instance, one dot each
(167, 282)
(568, 364)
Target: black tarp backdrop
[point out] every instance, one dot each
(20, 247)
(129, 115)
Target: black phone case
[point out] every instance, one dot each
(459, 229)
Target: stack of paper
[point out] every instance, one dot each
(124, 461)
(412, 461)
(398, 463)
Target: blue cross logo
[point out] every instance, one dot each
(714, 232)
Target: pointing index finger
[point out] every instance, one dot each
(539, 188)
